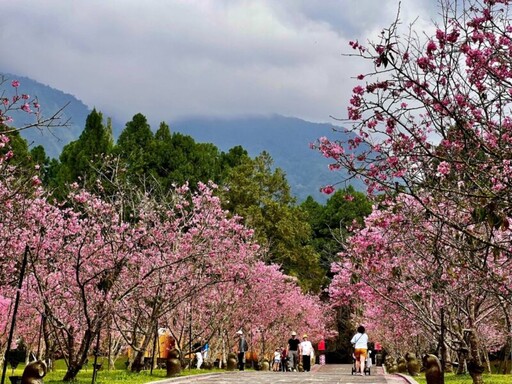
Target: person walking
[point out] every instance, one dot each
(360, 344)
(284, 359)
(293, 352)
(306, 351)
(204, 351)
(242, 348)
(321, 351)
(196, 348)
(276, 365)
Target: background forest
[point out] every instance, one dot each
(158, 217)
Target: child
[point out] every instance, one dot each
(284, 359)
(277, 360)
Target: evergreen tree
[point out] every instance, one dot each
(177, 159)
(134, 149)
(30, 162)
(331, 223)
(81, 159)
(262, 197)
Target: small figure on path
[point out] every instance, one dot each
(293, 352)
(321, 351)
(242, 348)
(284, 359)
(276, 366)
(204, 351)
(306, 351)
(196, 348)
(360, 344)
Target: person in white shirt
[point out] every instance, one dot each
(360, 344)
(277, 360)
(306, 350)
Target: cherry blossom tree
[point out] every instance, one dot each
(431, 120)
(15, 103)
(17, 188)
(262, 301)
(416, 286)
(278, 306)
(194, 246)
(126, 263)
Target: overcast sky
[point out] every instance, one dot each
(169, 59)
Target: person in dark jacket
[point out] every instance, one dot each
(293, 352)
(242, 348)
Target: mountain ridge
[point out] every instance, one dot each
(286, 139)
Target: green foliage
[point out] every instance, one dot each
(39, 157)
(262, 197)
(176, 159)
(19, 146)
(80, 159)
(28, 163)
(331, 223)
(134, 147)
(167, 159)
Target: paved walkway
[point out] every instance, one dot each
(327, 374)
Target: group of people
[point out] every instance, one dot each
(285, 358)
(201, 350)
(295, 353)
(300, 352)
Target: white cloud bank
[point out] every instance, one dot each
(169, 58)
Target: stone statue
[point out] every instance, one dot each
(34, 373)
(402, 365)
(232, 362)
(390, 364)
(433, 370)
(173, 363)
(413, 365)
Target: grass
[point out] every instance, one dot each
(451, 378)
(120, 374)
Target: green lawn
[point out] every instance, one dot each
(106, 377)
(451, 378)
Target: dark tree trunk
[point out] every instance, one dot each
(475, 365)
(76, 362)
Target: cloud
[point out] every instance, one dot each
(170, 58)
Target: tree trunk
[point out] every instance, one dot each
(505, 366)
(475, 366)
(487, 361)
(461, 368)
(137, 363)
(448, 367)
(77, 362)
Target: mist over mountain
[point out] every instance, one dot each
(286, 139)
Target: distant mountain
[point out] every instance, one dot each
(286, 139)
(51, 100)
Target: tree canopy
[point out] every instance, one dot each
(432, 119)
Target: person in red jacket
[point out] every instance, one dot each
(321, 351)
